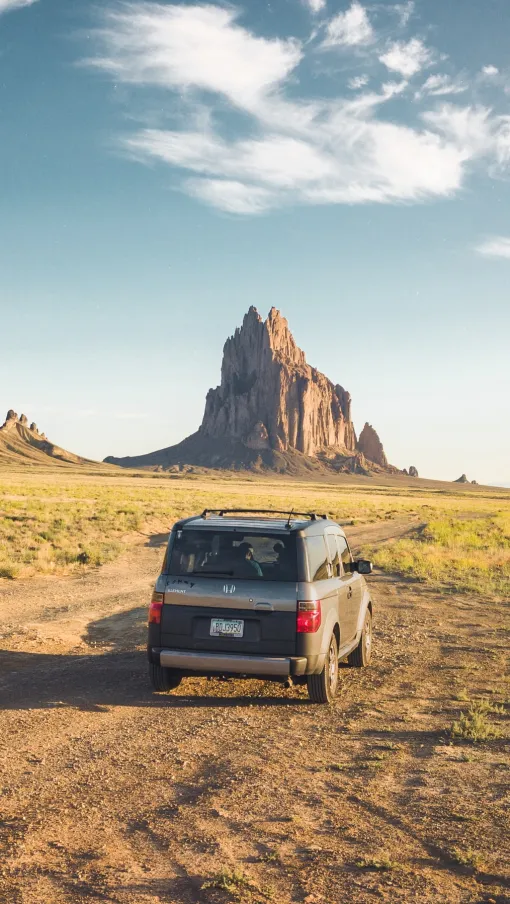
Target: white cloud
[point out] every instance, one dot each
(472, 130)
(404, 11)
(283, 150)
(6, 5)
(406, 58)
(193, 47)
(350, 28)
(357, 82)
(439, 85)
(316, 5)
(490, 71)
(496, 246)
(232, 196)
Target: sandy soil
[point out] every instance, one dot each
(110, 793)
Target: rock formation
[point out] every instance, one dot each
(21, 445)
(461, 479)
(413, 472)
(270, 398)
(371, 446)
(272, 410)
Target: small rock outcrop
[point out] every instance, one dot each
(371, 446)
(21, 445)
(413, 472)
(461, 479)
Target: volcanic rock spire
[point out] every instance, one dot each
(270, 398)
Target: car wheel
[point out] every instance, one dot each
(163, 679)
(323, 687)
(361, 656)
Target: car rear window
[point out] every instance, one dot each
(237, 554)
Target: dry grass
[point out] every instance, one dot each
(463, 554)
(58, 522)
(474, 725)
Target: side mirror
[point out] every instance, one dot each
(363, 566)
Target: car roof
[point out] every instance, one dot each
(277, 525)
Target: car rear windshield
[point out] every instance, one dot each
(237, 554)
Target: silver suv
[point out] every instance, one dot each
(244, 594)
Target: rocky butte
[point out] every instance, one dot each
(22, 444)
(272, 410)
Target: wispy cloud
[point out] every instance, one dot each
(232, 196)
(184, 47)
(490, 71)
(350, 28)
(440, 85)
(407, 58)
(7, 5)
(495, 246)
(404, 12)
(316, 6)
(285, 148)
(357, 82)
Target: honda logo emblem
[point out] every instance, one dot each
(229, 588)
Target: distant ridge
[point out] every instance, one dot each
(22, 444)
(272, 411)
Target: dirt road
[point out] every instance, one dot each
(111, 793)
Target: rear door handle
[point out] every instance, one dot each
(264, 607)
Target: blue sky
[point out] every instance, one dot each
(164, 166)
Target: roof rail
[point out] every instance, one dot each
(313, 516)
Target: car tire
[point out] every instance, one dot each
(361, 656)
(323, 687)
(163, 679)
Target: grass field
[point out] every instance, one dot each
(54, 522)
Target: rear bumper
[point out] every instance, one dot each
(204, 663)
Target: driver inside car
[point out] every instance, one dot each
(247, 565)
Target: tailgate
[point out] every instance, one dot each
(266, 609)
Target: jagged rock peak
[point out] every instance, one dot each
(270, 398)
(371, 446)
(12, 419)
(461, 479)
(413, 472)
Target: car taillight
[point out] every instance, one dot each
(308, 617)
(155, 608)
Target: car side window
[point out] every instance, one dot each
(333, 555)
(317, 558)
(344, 552)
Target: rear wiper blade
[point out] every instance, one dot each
(227, 574)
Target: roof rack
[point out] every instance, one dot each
(313, 516)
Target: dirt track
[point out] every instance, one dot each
(112, 793)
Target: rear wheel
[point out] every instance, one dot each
(163, 679)
(362, 655)
(322, 688)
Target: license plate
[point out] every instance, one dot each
(227, 627)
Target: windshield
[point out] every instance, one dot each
(234, 554)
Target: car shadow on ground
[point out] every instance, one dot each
(97, 681)
(157, 540)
